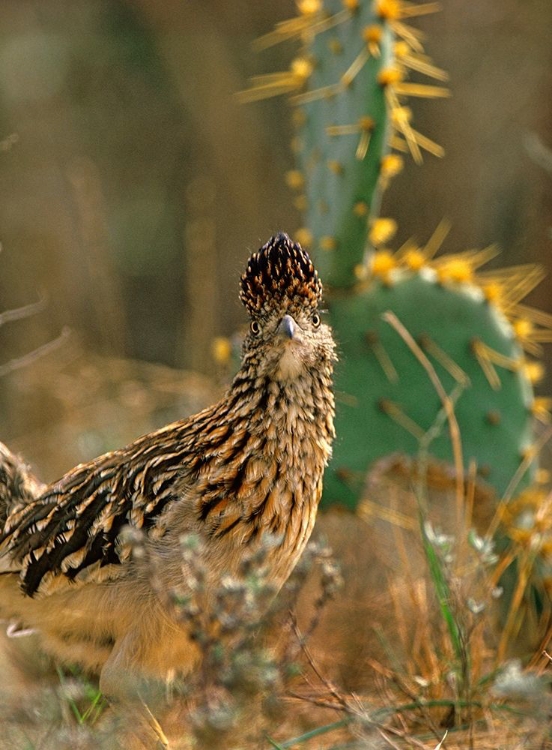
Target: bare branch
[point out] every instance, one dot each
(26, 359)
(23, 312)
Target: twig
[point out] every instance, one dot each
(16, 364)
(522, 468)
(23, 312)
(327, 684)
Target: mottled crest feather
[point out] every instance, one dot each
(280, 274)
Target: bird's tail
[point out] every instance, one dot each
(18, 485)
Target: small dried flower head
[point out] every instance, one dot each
(515, 682)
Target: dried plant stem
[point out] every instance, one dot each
(446, 400)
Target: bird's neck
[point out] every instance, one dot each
(265, 472)
(284, 405)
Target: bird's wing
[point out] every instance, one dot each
(71, 532)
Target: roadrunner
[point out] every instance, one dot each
(248, 468)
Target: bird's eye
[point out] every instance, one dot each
(255, 328)
(316, 320)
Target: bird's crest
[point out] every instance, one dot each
(280, 274)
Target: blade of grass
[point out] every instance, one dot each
(442, 590)
(310, 735)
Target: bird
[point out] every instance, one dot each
(247, 469)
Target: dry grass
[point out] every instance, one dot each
(404, 655)
(415, 650)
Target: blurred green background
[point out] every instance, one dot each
(133, 186)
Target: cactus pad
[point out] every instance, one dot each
(387, 403)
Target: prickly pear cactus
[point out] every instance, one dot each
(340, 119)
(349, 86)
(387, 401)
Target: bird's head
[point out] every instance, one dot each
(282, 292)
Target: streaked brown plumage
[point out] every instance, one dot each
(249, 466)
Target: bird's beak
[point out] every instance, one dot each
(287, 327)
